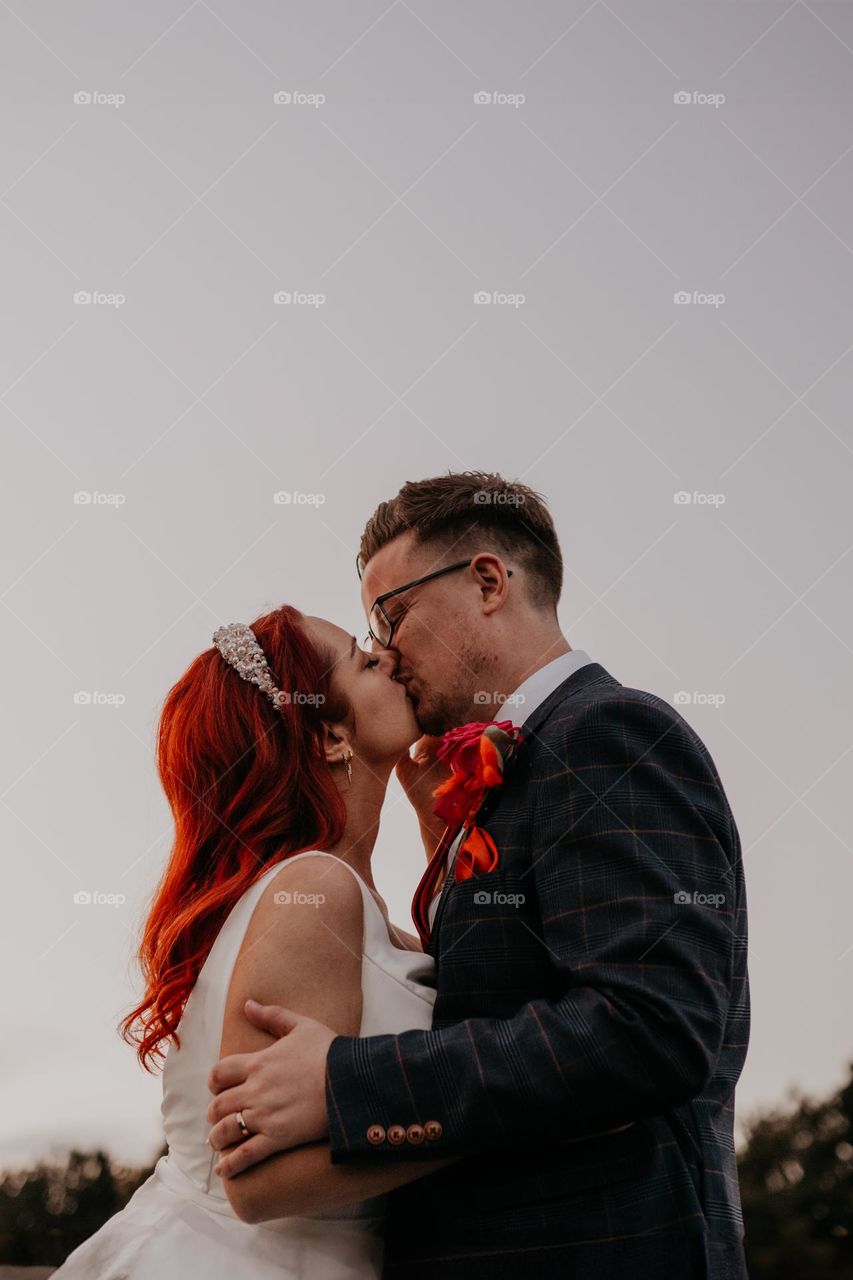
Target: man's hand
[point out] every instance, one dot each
(419, 775)
(281, 1091)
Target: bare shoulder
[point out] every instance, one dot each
(324, 885)
(303, 947)
(313, 906)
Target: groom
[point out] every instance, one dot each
(592, 1009)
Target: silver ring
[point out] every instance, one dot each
(238, 1116)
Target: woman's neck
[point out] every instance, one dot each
(364, 798)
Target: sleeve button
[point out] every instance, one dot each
(415, 1133)
(432, 1130)
(376, 1134)
(396, 1134)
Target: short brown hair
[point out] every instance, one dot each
(456, 511)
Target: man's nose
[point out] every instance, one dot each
(392, 662)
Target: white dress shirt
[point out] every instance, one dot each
(521, 704)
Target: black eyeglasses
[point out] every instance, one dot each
(380, 626)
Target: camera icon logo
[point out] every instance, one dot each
(282, 898)
(482, 298)
(282, 98)
(681, 99)
(482, 897)
(681, 298)
(82, 98)
(82, 898)
(482, 99)
(681, 897)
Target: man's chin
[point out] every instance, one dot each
(430, 721)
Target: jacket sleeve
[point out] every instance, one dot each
(631, 854)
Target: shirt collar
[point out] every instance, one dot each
(533, 691)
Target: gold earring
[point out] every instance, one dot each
(349, 768)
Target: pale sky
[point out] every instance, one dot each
(582, 198)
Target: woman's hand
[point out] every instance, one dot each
(420, 773)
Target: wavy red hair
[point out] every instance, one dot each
(247, 785)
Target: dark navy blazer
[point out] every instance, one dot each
(591, 1019)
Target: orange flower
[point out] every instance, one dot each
(477, 855)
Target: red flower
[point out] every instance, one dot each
(476, 753)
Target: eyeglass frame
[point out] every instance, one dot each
(379, 602)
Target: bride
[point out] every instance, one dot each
(274, 750)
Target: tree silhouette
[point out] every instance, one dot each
(47, 1211)
(796, 1180)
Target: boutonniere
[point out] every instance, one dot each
(477, 754)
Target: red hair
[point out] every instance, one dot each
(247, 785)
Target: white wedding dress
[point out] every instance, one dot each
(179, 1223)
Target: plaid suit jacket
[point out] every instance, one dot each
(591, 1019)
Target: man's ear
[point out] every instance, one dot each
(492, 579)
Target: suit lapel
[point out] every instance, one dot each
(592, 672)
(572, 685)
